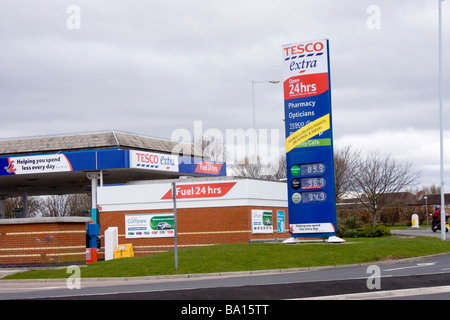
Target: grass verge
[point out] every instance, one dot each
(254, 256)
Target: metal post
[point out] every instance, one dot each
(441, 118)
(93, 176)
(254, 111)
(94, 185)
(426, 208)
(253, 103)
(253, 97)
(2, 207)
(25, 205)
(174, 196)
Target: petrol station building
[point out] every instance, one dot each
(129, 178)
(210, 210)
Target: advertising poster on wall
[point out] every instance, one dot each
(156, 225)
(38, 164)
(281, 224)
(262, 221)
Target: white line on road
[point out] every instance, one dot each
(383, 294)
(419, 265)
(4, 289)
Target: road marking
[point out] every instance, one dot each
(383, 294)
(419, 265)
(25, 289)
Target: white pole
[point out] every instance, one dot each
(441, 118)
(253, 97)
(93, 176)
(174, 193)
(253, 104)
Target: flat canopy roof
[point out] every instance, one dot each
(87, 141)
(59, 164)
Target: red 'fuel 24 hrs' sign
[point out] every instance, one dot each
(201, 190)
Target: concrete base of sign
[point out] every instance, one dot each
(332, 239)
(335, 239)
(295, 240)
(290, 241)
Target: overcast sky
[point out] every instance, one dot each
(151, 67)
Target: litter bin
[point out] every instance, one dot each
(124, 251)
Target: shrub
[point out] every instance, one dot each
(347, 227)
(352, 227)
(370, 232)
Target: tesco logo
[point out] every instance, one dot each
(304, 48)
(153, 161)
(147, 158)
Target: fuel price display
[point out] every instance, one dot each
(308, 197)
(312, 169)
(312, 183)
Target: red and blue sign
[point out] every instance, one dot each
(107, 159)
(309, 142)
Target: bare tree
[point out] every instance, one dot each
(425, 190)
(249, 169)
(278, 168)
(256, 169)
(15, 205)
(54, 205)
(64, 205)
(213, 148)
(377, 178)
(79, 203)
(344, 164)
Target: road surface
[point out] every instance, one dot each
(420, 232)
(369, 281)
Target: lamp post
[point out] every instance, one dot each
(253, 97)
(441, 122)
(175, 218)
(426, 208)
(174, 197)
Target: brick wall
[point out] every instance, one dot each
(196, 227)
(43, 241)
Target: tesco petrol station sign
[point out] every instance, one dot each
(309, 139)
(153, 161)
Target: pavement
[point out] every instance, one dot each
(6, 272)
(420, 232)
